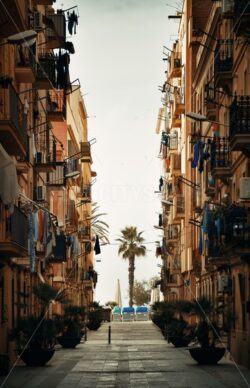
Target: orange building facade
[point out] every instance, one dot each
(45, 167)
(205, 138)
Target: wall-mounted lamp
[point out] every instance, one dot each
(26, 37)
(201, 118)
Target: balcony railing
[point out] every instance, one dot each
(25, 67)
(239, 124)
(173, 233)
(241, 17)
(220, 158)
(46, 71)
(84, 233)
(14, 236)
(230, 234)
(56, 30)
(72, 168)
(13, 120)
(175, 65)
(210, 105)
(57, 105)
(86, 152)
(45, 160)
(223, 56)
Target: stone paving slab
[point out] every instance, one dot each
(137, 357)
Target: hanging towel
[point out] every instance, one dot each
(97, 248)
(195, 160)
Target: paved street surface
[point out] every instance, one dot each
(137, 357)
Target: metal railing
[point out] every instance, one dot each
(239, 122)
(11, 110)
(47, 68)
(223, 55)
(17, 228)
(220, 153)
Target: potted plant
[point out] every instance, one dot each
(162, 314)
(94, 316)
(206, 334)
(71, 326)
(36, 335)
(169, 317)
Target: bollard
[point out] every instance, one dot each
(109, 335)
(85, 333)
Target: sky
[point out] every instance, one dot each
(118, 59)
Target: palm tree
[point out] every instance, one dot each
(98, 226)
(130, 247)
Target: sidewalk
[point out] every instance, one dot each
(138, 356)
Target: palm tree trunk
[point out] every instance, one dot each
(131, 272)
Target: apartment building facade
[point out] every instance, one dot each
(213, 177)
(45, 165)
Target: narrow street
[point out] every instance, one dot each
(138, 356)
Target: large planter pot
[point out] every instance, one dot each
(36, 357)
(68, 342)
(93, 325)
(207, 356)
(179, 342)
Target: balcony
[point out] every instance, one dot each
(173, 233)
(72, 168)
(175, 164)
(14, 234)
(196, 262)
(178, 207)
(233, 236)
(25, 67)
(86, 152)
(57, 177)
(56, 106)
(178, 103)
(13, 134)
(210, 105)
(46, 72)
(174, 66)
(84, 234)
(220, 158)
(239, 124)
(173, 143)
(56, 30)
(241, 18)
(45, 159)
(223, 63)
(85, 194)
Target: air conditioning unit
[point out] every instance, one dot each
(227, 6)
(40, 193)
(38, 21)
(245, 188)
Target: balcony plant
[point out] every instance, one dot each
(35, 336)
(206, 333)
(71, 326)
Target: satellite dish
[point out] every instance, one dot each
(23, 37)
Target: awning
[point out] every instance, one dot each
(9, 189)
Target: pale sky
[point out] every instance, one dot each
(118, 60)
